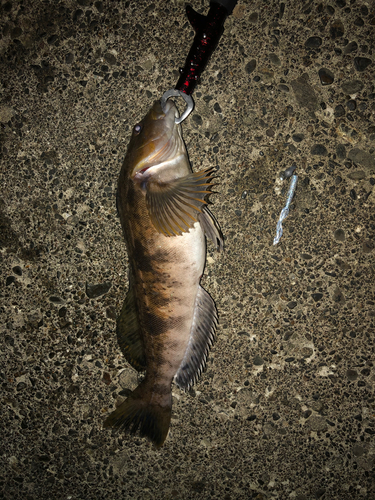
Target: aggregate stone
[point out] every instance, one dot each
(337, 29)
(253, 18)
(326, 76)
(319, 150)
(69, 58)
(313, 42)
(250, 66)
(317, 296)
(352, 86)
(298, 137)
(317, 423)
(338, 296)
(274, 59)
(307, 352)
(339, 111)
(352, 374)
(359, 21)
(358, 450)
(110, 58)
(363, 158)
(94, 291)
(258, 361)
(357, 175)
(10, 280)
(341, 151)
(17, 270)
(368, 246)
(351, 47)
(304, 93)
(284, 407)
(362, 63)
(351, 104)
(6, 114)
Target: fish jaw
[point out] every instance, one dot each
(156, 139)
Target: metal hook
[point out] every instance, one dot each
(178, 93)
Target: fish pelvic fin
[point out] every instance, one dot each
(128, 331)
(140, 413)
(174, 206)
(211, 228)
(202, 337)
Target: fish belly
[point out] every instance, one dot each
(166, 295)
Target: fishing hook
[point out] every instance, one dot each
(178, 93)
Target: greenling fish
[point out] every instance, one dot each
(168, 321)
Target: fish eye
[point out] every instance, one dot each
(137, 128)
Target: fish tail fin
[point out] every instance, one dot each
(152, 419)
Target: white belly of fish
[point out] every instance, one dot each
(188, 254)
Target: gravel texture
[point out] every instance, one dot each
(285, 408)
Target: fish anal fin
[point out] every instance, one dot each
(174, 206)
(128, 332)
(202, 337)
(211, 228)
(138, 413)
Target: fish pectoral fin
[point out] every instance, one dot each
(174, 206)
(128, 332)
(211, 228)
(202, 337)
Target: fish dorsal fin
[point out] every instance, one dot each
(211, 228)
(128, 332)
(174, 206)
(201, 339)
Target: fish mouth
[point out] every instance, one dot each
(167, 108)
(141, 172)
(161, 145)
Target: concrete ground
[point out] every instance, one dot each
(285, 408)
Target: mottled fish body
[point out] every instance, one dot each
(168, 321)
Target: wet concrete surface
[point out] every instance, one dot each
(285, 408)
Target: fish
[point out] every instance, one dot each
(168, 322)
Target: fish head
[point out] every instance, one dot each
(155, 140)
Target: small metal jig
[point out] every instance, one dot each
(178, 93)
(288, 172)
(285, 211)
